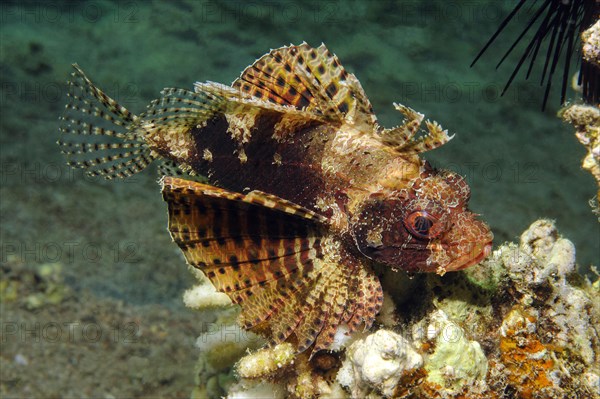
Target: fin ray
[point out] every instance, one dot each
(403, 138)
(272, 257)
(240, 240)
(90, 119)
(310, 79)
(177, 112)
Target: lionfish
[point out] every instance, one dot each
(305, 191)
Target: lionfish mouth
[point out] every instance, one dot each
(480, 250)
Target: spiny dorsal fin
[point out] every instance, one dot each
(98, 134)
(403, 138)
(308, 79)
(241, 111)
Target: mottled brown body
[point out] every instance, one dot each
(288, 169)
(303, 169)
(306, 191)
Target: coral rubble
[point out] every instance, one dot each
(591, 44)
(586, 120)
(266, 361)
(522, 324)
(377, 363)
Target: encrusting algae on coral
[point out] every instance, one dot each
(528, 361)
(453, 361)
(266, 361)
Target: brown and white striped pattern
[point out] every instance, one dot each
(274, 258)
(242, 242)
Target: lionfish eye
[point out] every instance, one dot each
(420, 224)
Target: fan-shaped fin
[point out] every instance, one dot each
(368, 300)
(339, 300)
(253, 247)
(316, 310)
(274, 258)
(278, 299)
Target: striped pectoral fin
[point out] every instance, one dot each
(349, 293)
(257, 248)
(367, 299)
(273, 300)
(269, 255)
(318, 306)
(313, 314)
(242, 266)
(338, 299)
(309, 304)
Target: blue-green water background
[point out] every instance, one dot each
(522, 164)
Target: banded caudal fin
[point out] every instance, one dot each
(275, 259)
(99, 135)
